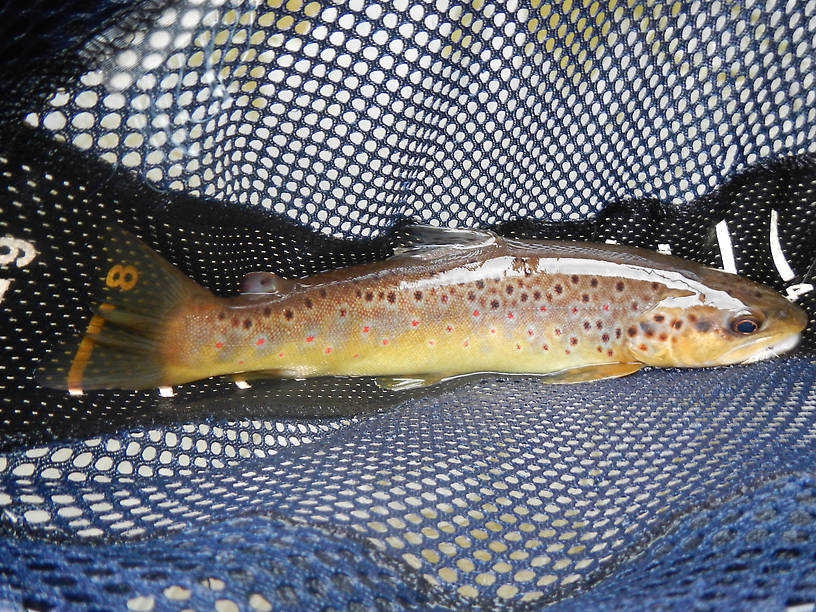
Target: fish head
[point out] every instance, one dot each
(707, 317)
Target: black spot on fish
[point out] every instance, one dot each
(593, 282)
(267, 311)
(677, 324)
(247, 323)
(494, 304)
(655, 286)
(369, 295)
(471, 296)
(392, 297)
(358, 293)
(381, 295)
(659, 318)
(235, 321)
(221, 316)
(523, 297)
(418, 296)
(619, 286)
(323, 293)
(632, 332)
(308, 303)
(480, 284)
(617, 332)
(692, 318)
(585, 297)
(288, 314)
(662, 337)
(587, 325)
(558, 289)
(509, 289)
(536, 295)
(573, 341)
(703, 326)
(574, 278)
(605, 338)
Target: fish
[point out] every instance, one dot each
(448, 304)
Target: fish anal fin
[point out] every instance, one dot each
(591, 372)
(265, 282)
(406, 383)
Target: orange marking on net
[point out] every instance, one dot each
(83, 354)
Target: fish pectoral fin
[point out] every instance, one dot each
(422, 241)
(591, 372)
(266, 283)
(405, 383)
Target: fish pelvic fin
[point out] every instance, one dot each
(122, 344)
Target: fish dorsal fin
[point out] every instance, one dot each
(265, 283)
(424, 241)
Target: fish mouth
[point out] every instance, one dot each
(788, 343)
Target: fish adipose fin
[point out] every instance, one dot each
(425, 241)
(121, 346)
(591, 372)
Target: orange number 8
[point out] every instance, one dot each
(123, 277)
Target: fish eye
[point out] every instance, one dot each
(745, 325)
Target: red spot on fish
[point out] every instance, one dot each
(599, 324)
(493, 330)
(328, 350)
(557, 332)
(509, 315)
(634, 305)
(365, 329)
(609, 352)
(543, 309)
(567, 351)
(280, 354)
(605, 338)
(308, 303)
(606, 306)
(475, 313)
(545, 348)
(471, 296)
(573, 341)
(587, 324)
(449, 328)
(518, 347)
(431, 342)
(529, 332)
(574, 309)
(241, 362)
(444, 299)
(692, 318)
(309, 338)
(466, 344)
(342, 312)
(600, 350)
(414, 323)
(260, 341)
(662, 337)
(385, 342)
(355, 356)
(642, 347)
(369, 295)
(617, 332)
(219, 344)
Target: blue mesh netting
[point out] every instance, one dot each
(237, 135)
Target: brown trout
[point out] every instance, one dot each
(456, 302)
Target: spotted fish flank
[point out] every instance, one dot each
(453, 303)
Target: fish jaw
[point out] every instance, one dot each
(785, 345)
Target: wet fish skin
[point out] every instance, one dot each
(467, 302)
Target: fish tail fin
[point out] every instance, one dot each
(122, 345)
